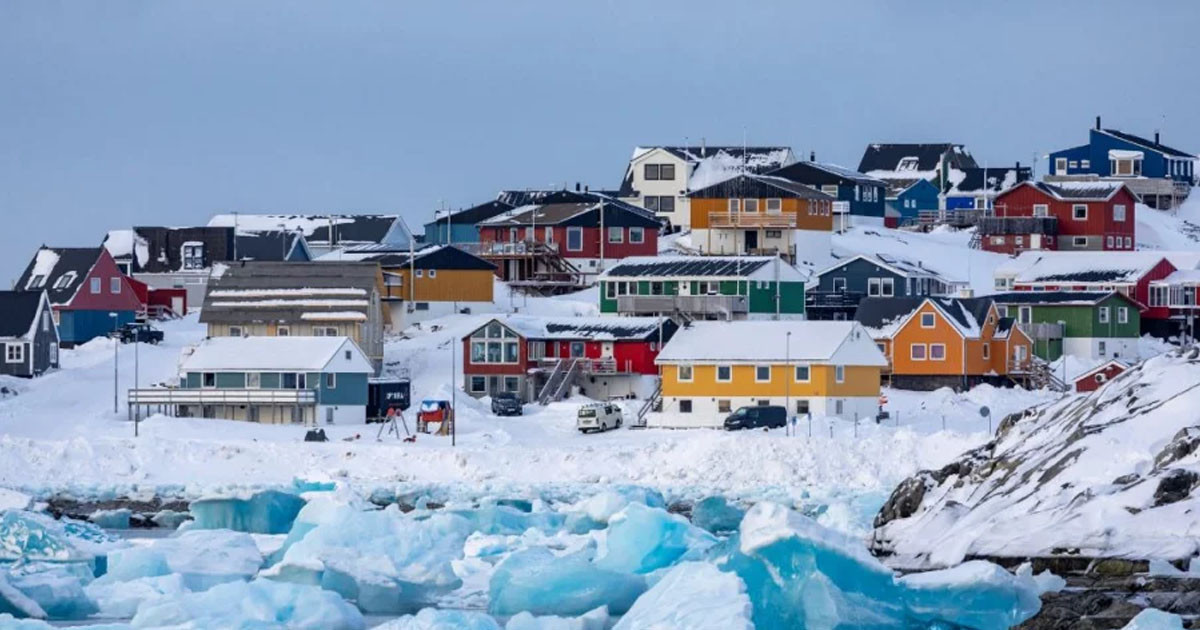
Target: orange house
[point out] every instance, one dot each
(759, 215)
(933, 342)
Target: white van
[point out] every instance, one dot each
(599, 417)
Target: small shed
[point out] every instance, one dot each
(1095, 378)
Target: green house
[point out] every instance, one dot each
(1089, 326)
(704, 287)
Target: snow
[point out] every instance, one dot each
(943, 251)
(1151, 619)
(43, 266)
(334, 316)
(299, 292)
(277, 222)
(843, 343)
(310, 354)
(693, 595)
(1121, 154)
(308, 303)
(1060, 266)
(719, 166)
(590, 328)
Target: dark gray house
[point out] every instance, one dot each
(839, 289)
(28, 334)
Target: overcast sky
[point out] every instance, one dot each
(162, 112)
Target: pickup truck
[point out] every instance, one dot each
(140, 333)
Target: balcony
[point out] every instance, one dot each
(697, 305)
(1042, 331)
(592, 367)
(767, 220)
(184, 396)
(509, 248)
(833, 299)
(996, 226)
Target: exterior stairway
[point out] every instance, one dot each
(653, 403)
(559, 383)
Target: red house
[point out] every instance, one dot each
(570, 241)
(1078, 215)
(1094, 379)
(541, 358)
(89, 294)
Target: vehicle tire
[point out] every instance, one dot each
(619, 421)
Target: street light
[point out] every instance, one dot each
(116, 345)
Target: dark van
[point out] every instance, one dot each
(768, 416)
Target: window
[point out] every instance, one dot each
(1073, 164)
(1108, 242)
(888, 287)
(478, 385)
(873, 287)
(1025, 314)
(330, 381)
(325, 331)
(1128, 242)
(802, 407)
(751, 205)
(803, 374)
(839, 284)
(511, 383)
(1119, 212)
(830, 189)
(1041, 210)
(1085, 164)
(666, 172)
(114, 285)
(1122, 315)
(208, 379)
(577, 349)
(927, 320)
(1020, 241)
(916, 352)
(637, 235)
(574, 239)
(774, 206)
(651, 172)
(64, 281)
(95, 286)
(420, 273)
(283, 331)
(937, 352)
(733, 205)
(838, 407)
(762, 374)
(1102, 313)
(1079, 211)
(235, 331)
(616, 235)
(987, 351)
(14, 353)
(908, 164)
(45, 323)
(253, 380)
(839, 373)
(193, 256)
(997, 240)
(685, 373)
(723, 406)
(433, 273)
(685, 406)
(774, 233)
(1102, 347)
(724, 373)
(1079, 241)
(1060, 166)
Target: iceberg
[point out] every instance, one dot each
(14, 602)
(500, 519)
(593, 620)
(692, 595)
(112, 519)
(8, 622)
(434, 619)
(642, 539)
(975, 594)
(714, 514)
(57, 590)
(120, 600)
(384, 561)
(1151, 619)
(170, 519)
(266, 512)
(258, 604)
(595, 511)
(202, 558)
(536, 581)
(28, 536)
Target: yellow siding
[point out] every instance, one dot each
(352, 330)
(859, 381)
(448, 285)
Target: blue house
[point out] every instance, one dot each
(864, 195)
(1161, 175)
(906, 198)
(975, 188)
(459, 226)
(838, 289)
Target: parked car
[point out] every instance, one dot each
(599, 417)
(507, 404)
(315, 435)
(141, 333)
(761, 416)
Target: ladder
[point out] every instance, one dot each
(653, 403)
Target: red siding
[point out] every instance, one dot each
(591, 241)
(633, 356)
(105, 269)
(1019, 202)
(1141, 291)
(1087, 383)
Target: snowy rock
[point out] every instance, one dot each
(641, 539)
(257, 604)
(593, 620)
(715, 515)
(1044, 582)
(433, 619)
(111, 519)
(1151, 619)
(693, 595)
(120, 600)
(202, 558)
(536, 581)
(266, 512)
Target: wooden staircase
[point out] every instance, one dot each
(1039, 375)
(653, 403)
(559, 383)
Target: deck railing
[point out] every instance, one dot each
(769, 220)
(693, 304)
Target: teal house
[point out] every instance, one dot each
(906, 198)
(704, 287)
(273, 380)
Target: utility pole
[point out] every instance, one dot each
(136, 380)
(116, 346)
(453, 397)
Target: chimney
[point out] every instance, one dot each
(702, 146)
(576, 186)
(1097, 123)
(812, 156)
(1156, 137)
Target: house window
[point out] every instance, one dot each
(1128, 242)
(1122, 315)
(802, 373)
(1025, 314)
(685, 373)
(937, 352)
(839, 373)
(1041, 210)
(774, 233)
(908, 164)
(330, 381)
(616, 235)
(873, 287)
(724, 373)
(95, 286)
(1102, 313)
(839, 285)
(478, 385)
(666, 204)
(987, 351)
(433, 273)
(888, 288)
(723, 406)
(283, 331)
(916, 352)
(774, 206)
(574, 239)
(511, 383)
(997, 240)
(325, 331)
(420, 273)
(1079, 211)
(208, 380)
(1079, 241)
(751, 205)
(830, 189)
(637, 235)
(838, 407)
(114, 285)
(1020, 241)
(927, 320)
(1073, 164)
(235, 331)
(1085, 164)
(1119, 212)
(652, 172)
(577, 349)
(733, 205)
(14, 353)
(650, 202)
(685, 406)
(253, 380)
(762, 374)
(1060, 166)
(193, 256)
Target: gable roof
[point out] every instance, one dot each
(433, 257)
(19, 312)
(885, 316)
(474, 214)
(285, 354)
(882, 159)
(1057, 298)
(896, 264)
(576, 214)
(1080, 267)
(1083, 190)
(749, 267)
(898, 186)
(1148, 144)
(976, 180)
(711, 164)
(60, 271)
(845, 343)
(274, 245)
(808, 172)
(586, 328)
(291, 291)
(347, 228)
(758, 185)
(1100, 368)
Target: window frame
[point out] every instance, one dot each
(1041, 210)
(656, 169)
(481, 380)
(687, 368)
(637, 235)
(577, 231)
(1103, 315)
(807, 373)
(932, 321)
(95, 286)
(1122, 314)
(748, 204)
(940, 346)
(1075, 208)
(331, 380)
(685, 405)
(729, 370)
(839, 374)
(1119, 212)
(114, 285)
(615, 231)
(758, 376)
(19, 346)
(912, 352)
(777, 202)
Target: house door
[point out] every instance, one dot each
(1035, 241)
(606, 350)
(177, 306)
(1060, 166)
(751, 241)
(685, 287)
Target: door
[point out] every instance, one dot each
(177, 306)
(685, 287)
(1060, 166)
(751, 241)
(1035, 241)
(606, 350)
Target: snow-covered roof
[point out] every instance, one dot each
(884, 317)
(710, 165)
(334, 316)
(1183, 276)
(60, 271)
(586, 328)
(842, 343)
(20, 312)
(901, 266)
(289, 293)
(347, 228)
(123, 244)
(284, 354)
(970, 181)
(280, 292)
(1079, 267)
(706, 267)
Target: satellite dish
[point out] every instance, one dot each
(984, 411)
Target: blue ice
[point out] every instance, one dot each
(434, 619)
(202, 558)
(642, 539)
(257, 604)
(265, 512)
(714, 514)
(536, 581)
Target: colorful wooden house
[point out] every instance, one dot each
(28, 334)
(840, 287)
(761, 215)
(1088, 326)
(909, 161)
(863, 195)
(88, 293)
(461, 226)
(934, 342)
(977, 188)
(907, 198)
(1096, 377)
(1031, 216)
(541, 359)
(710, 369)
(704, 287)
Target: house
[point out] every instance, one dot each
(272, 380)
(659, 178)
(932, 162)
(843, 285)
(321, 299)
(460, 226)
(541, 359)
(977, 188)
(1087, 326)
(762, 215)
(89, 295)
(323, 233)
(1135, 275)
(934, 342)
(862, 196)
(1094, 216)
(1096, 377)
(1160, 175)
(431, 282)
(704, 287)
(908, 198)
(565, 244)
(710, 369)
(28, 334)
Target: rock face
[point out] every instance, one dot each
(1108, 474)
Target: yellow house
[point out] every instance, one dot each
(827, 368)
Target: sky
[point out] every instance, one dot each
(117, 113)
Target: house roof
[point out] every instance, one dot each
(284, 354)
(1080, 267)
(1100, 368)
(897, 186)
(433, 257)
(353, 228)
(977, 180)
(528, 197)
(711, 164)
(748, 185)
(751, 267)
(19, 312)
(1183, 276)
(845, 343)
(587, 328)
(270, 245)
(884, 316)
(60, 271)
(292, 291)
(1086, 190)
(896, 264)
(1148, 144)
(803, 173)
(882, 159)
(1056, 298)
(576, 214)
(474, 214)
